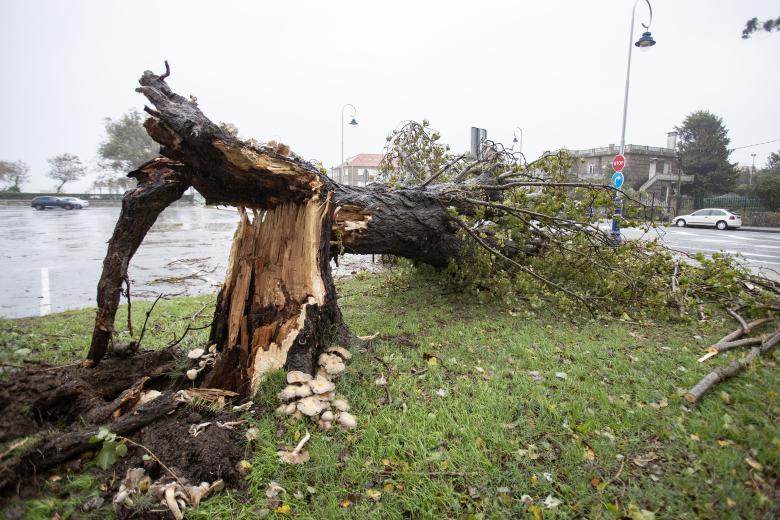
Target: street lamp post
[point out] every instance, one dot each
(752, 171)
(353, 122)
(644, 43)
(518, 129)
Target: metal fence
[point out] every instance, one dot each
(734, 202)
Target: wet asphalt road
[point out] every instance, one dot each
(50, 260)
(761, 251)
(64, 250)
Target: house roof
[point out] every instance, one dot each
(366, 160)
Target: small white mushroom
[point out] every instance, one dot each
(320, 385)
(303, 391)
(288, 392)
(322, 360)
(298, 455)
(341, 351)
(309, 406)
(327, 416)
(197, 493)
(322, 373)
(341, 404)
(170, 501)
(192, 374)
(296, 376)
(325, 425)
(195, 353)
(334, 365)
(347, 420)
(290, 408)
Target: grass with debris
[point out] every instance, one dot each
(491, 412)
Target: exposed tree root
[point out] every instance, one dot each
(71, 403)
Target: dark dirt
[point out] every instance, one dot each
(212, 455)
(43, 397)
(69, 403)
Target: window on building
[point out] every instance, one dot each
(591, 168)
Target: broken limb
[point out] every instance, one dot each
(730, 370)
(160, 183)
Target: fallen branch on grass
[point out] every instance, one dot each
(730, 370)
(731, 341)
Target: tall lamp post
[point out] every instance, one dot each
(752, 171)
(644, 43)
(518, 129)
(352, 122)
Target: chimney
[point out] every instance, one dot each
(671, 140)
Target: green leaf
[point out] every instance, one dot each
(106, 458)
(121, 449)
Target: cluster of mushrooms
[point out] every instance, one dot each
(315, 396)
(203, 358)
(177, 495)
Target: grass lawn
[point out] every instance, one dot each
(488, 412)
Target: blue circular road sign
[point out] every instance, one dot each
(617, 180)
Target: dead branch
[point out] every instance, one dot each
(730, 370)
(740, 319)
(160, 183)
(443, 170)
(148, 313)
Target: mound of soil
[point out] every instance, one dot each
(66, 405)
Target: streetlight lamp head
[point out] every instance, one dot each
(645, 42)
(353, 122)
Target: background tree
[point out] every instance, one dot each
(127, 146)
(754, 25)
(704, 153)
(65, 167)
(13, 175)
(127, 143)
(767, 187)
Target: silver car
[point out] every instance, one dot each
(75, 202)
(711, 217)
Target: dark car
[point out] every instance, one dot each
(48, 201)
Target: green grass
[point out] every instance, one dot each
(496, 434)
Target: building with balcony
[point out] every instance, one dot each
(359, 170)
(651, 169)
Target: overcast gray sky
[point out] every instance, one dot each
(285, 69)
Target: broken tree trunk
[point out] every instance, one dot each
(277, 307)
(159, 184)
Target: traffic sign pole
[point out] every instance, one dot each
(618, 163)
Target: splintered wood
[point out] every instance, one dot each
(273, 278)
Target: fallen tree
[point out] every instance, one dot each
(490, 222)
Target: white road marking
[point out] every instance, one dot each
(45, 295)
(743, 253)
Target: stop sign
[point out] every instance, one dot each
(618, 163)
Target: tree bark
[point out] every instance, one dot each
(278, 306)
(159, 184)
